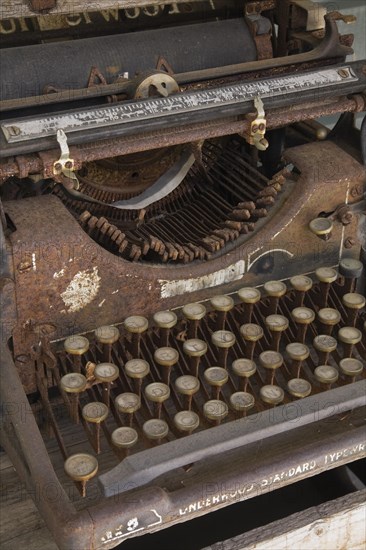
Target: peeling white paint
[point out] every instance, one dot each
(101, 303)
(34, 265)
(81, 290)
(231, 273)
(115, 291)
(59, 274)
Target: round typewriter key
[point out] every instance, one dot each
(106, 336)
(271, 360)
(327, 375)
(249, 296)
(321, 227)
(301, 285)
(95, 413)
(155, 429)
(193, 313)
(303, 317)
(353, 302)
(165, 320)
(272, 395)
(241, 402)
(106, 373)
(326, 276)
(298, 353)
(81, 467)
(186, 421)
(187, 385)
(251, 333)
(298, 387)
(137, 369)
(128, 403)
(221, 304)
(324, 345)
(136, 325)
(328, 318)
(73, 384)
(276, 324)
(351, 270)
(215, 410)
(124, 438)
(351, 367)
(223, 340)
(167, 358)
(195, 349)
(349, 336)
(244, 368)
(216, 377)
(76, 346)
(157, 392)
(274, 290)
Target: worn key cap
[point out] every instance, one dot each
(326, 375)
(251, 334)
(186, 421)
(107, 336)
(194, 313)
(128, 403)
(244, 368)
(271, 360)
(248, 296)
(301, 285)
(276, 324)
(324, 345)
(81, 467)
(274, 290)
(136, 325)
(73, 384)
(166, 358)
(272, 395)
(298, 353)
(155, 430)
(298, 387)
(215, 410)
(216, 377)
(303, 317)
(328, 318)
(351, 269)
(353, 303)
(195, 349)
(351, 368)
(223, 340)
(137, 369)
(187, 385)
(241, 402)
(106, 373)
(157, 392)
(95, 413)
(349, 336)
(222, 305)
(326, 276)
(123, 439)
(165, 320)
(76, 346)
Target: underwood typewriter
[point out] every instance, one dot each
(183, 240)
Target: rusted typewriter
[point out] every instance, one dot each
(183, 320)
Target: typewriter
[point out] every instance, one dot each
(182, 256)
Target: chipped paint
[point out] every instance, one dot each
(115, 291)
(82, 290)
(101, 303)
(59, 274)
(34, 265)
(231, 273)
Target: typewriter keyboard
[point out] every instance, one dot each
(143, 383)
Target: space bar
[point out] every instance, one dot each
(143, 467)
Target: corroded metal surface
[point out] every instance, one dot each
(60, 270)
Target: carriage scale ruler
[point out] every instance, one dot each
(44, 126)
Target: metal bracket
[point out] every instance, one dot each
(258, 127)
(65, 165)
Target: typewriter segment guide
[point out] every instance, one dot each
(183, 256)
